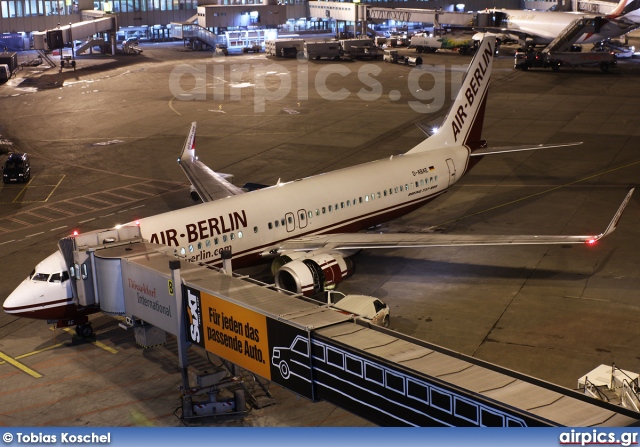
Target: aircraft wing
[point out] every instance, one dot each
(526, 147)
(209, 184)
(359, 241)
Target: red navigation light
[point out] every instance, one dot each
(75, 232)
(137, 222)
(591, 241)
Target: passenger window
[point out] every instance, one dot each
(224, 238)
(354, 201)
(289, 219)
(190, 248)
(232, 236)
(255, 229)
(342, 204)
(324, 210)
(360, 199)
(348, 203)
(301, 216)
(317, 213)
(183, 251)
(417, 184)
(277, 224)
(396, 190)
(330, 208)
(436, 178)
(400, 188)
(366, 198)
(379, 195)
(421, 182)
(239, 234)
(406, 187)
(270, 225)
(199, 245)
(282, 221)
(431, 180)
(215, 241)
(207, 243)
(385, 193)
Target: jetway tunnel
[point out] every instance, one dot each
(311, 349)
(65, 35)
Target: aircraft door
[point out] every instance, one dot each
(452, 171)
(290, 220)
(302, 218)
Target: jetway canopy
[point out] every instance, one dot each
(63, 35)
(351, 11)
(314, 350)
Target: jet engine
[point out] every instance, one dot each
(311, 273)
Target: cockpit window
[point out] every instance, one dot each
(59, 277)
(40, 277)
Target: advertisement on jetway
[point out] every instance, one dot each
(265, 346)
(150, 297)
(230, 331)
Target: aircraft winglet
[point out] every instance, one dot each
(614, 222)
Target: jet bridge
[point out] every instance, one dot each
(313, 350)
(64, 35)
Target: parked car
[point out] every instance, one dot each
(617, 47)
(368, 307)
(17, 168)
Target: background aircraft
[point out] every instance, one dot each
(542, 27)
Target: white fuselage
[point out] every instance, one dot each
(545, 26)
(345, 200)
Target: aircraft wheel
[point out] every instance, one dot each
(555, 66)
(604, 66)
(84, 330)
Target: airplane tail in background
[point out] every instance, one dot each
(463, 124)
(626, 8)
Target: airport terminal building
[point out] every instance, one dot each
(19, 18)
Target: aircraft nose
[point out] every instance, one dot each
(19, 300)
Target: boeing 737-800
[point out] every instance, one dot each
(542, 27)
(306, 226)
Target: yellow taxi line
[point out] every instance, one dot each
(19, 365)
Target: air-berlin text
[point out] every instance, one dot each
(474, 81)
(203, 229)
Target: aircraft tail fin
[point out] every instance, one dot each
(206, 184)
(463, 124)
(624, 7)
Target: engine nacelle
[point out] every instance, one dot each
(313, 274)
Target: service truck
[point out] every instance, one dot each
(5, 73)
(426, 44)
(283, 47)
(541, 59)
(324, 50)
(10, 60)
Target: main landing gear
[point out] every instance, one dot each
(84, 330)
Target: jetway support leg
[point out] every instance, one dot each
(187, 404)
